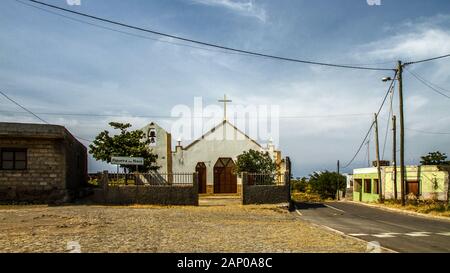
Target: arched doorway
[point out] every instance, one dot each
(201, 170)
(225, 180)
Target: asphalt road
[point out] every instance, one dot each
(396, 231)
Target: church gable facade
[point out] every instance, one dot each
(212, 156)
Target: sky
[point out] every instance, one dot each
(54, 64)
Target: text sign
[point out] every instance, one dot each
(121, 160)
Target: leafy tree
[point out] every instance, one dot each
(260, 166)
(300, 184)
(255, 162)
(325, 183)
(127, 143)
(435, 158)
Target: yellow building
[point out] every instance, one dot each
(425, 182)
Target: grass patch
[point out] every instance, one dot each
(431, 207)
(307, 197)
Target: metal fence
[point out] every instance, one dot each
(266, 179)
(144, 179)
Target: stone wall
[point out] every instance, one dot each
(147, 195)
(44, 177)
(265, 194)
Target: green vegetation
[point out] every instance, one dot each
(318, 187)
(435, 158)
(432, 207)
(127, 143)
(255, 162)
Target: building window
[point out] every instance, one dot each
(376, 187)
(367, 186)
(13, 159)
(357, 185)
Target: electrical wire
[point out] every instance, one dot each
(128, 33)
(35, 115)
(28, 111)
(429, 85)
(391, 111)
(207, 43)
(173, 117)
(373, 123)
(428, 60)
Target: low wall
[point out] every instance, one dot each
(265, 194)
(146, 195)
(33, 195)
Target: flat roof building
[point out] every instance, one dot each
(40, 164)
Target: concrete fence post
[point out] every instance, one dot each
(105, 181)
(195, 187)
(244, 187)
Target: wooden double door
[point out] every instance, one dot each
(225, 179)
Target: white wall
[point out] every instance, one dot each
(211, 148)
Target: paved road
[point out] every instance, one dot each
(396, 231)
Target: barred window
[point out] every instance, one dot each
(13, 159)
(367, 186)
(376, 186)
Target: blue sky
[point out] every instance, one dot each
(54, 64)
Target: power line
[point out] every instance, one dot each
(128, 33)
(28, 111)
(373, 123)
(391, 110)
(427, 84)
(35, 115)
(209, 44)
(428, 132)
(173, 117)
(428, 60)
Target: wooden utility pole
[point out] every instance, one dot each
(338, 172)
(394, 154)
(377, 152)
(402, 131)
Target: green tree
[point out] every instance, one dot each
(434, 158)
(127, 143)
(259, 165)
(326, 183)
(255, 162)
(300, 184)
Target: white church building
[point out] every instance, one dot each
(213, 155)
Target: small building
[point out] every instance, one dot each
(425, 182)
(40, 163)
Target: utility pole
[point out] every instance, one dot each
(402, 131)
(394, 154)
(368, 154)
(338, 172)
(377, 152)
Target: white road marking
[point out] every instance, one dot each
(358, 234)
(386, 235)
(418, 234)
(395, 234)
(331, 207)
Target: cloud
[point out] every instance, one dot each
(418, 39)
(246, 8)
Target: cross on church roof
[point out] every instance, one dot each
(225, 100)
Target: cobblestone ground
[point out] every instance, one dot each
(209, 228)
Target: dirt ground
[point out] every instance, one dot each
(211, 227)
